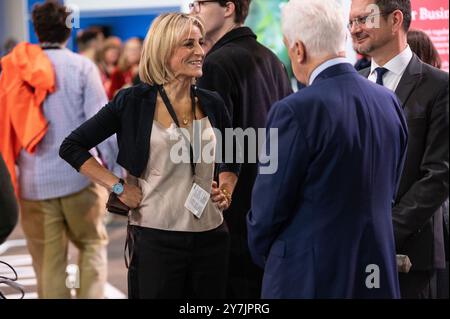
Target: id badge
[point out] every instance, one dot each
(197, 200)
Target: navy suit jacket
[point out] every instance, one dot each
(320, 223)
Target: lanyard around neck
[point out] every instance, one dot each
(170, 107)
(174, 117)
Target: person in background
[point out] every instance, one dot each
(250, 78)
(421, 44)
(90, 41)
(9, 45)
(177, 250)
(57, 204)
(423, 93)
(7, 48)
(8, 205)
(107, 59)
(323, 218)
(127, 67)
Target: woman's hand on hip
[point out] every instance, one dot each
(131, 196)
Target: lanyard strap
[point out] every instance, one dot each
(172, 113)
(51, 48)
(51, 45)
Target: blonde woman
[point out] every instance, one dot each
(174, 253)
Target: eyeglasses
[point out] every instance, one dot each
(361, 21)
(195, 6)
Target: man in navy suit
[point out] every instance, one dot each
(321, 225)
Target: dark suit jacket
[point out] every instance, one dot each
(325, 215)
(417, 214)
(130, 115)
(250, 78)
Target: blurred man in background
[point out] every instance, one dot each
(90, 41)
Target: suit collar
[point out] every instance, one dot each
(365, 72)
(234, 34)
(409, 80)
(325, 65)
(335, 70)
(398, 64)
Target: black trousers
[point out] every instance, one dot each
(244, 277)
(178, 265)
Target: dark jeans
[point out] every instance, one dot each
(178, 265)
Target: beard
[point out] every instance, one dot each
(370, 44)
(364, 49)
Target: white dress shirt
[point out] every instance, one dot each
(324, 66)
(396, 67)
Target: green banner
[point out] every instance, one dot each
(265, 20)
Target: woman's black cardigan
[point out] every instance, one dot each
(130, 115)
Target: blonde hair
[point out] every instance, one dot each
(161, 41)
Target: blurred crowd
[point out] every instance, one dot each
(117, 61)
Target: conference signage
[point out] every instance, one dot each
(431, 16)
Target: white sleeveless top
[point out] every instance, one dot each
(166, 184)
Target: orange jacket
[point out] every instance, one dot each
(26, 80)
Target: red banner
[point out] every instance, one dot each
(432, 17)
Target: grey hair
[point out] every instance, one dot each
(319, 24)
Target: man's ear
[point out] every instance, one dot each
(230, 9)
(300, 52)
(397, 21)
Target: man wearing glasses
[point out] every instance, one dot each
(379, 29)
(250, 78)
